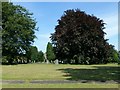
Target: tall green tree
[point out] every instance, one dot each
(113, 54)
(34, 54)
(18, 31)
(41, 57)
(50, 52)
(80, 37)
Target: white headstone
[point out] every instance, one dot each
(56, 61)
(47, 61)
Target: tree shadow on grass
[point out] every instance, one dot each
(101, 73)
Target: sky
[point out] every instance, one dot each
(47, 14)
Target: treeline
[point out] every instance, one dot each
(78, 39)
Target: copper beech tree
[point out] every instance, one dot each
(79, 38)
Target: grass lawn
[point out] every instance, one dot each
(74, 85)
(29, 72)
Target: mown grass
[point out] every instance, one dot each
(71, 85)
(60, 72)
(30, 72)
(33, 72)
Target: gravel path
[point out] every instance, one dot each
(57, 81)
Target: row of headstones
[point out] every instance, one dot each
(47, 61)
(55, 62)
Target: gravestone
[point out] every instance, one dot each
(47, 61)
(56, 61)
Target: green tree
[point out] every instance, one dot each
(18, 31)
(41, 56)
(80, 37)
(114, 56)
(50, 52)
(34, 54)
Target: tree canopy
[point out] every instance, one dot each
(18, 31)
(41, 57)
(50, 52)
(79, 38)
(34, 54)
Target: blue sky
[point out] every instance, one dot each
(47, 14)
